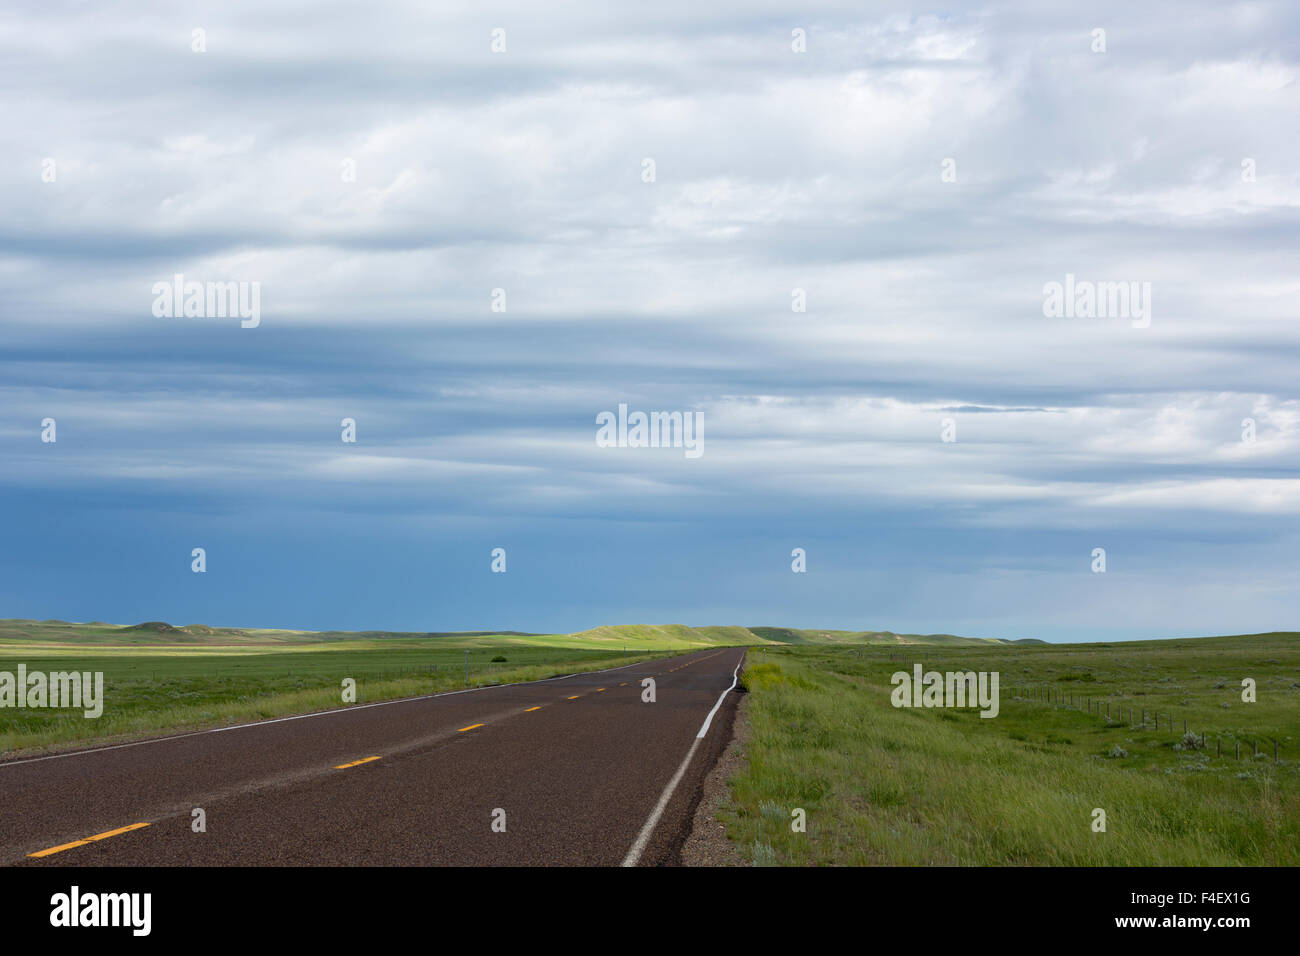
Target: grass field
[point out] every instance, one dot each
(879, 784)
(909, 786)
(161, 679)
(164, 678)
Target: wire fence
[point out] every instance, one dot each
(1142, 718)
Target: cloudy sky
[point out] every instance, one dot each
(378, 170)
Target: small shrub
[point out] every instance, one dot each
(763, 854)
(1117, 751)
(498, 660)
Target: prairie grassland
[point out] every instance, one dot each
(910, 786)
(161, 678)
(153, 690)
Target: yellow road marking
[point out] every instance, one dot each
(97, 836)
(531, 709)
(470, 727)
(599, 689)
(574, 697)
(344, 766)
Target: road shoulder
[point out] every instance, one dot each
(707, 843)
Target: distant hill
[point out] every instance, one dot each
(788, 635)
(640, 636)
(668, 635)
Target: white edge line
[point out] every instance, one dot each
(643, 838)
(709, 719)
(319, 713)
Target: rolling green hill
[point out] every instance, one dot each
(644, 636)
(787, 635)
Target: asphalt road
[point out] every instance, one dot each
(581, 767)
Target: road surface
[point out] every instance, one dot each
(579, 770)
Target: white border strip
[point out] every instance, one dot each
(709, 719)
(643, 838)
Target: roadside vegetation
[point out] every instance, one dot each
(152, 690)
(910, 786)
(165, 678)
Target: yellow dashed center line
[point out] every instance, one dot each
(355, 763)
(531, 709)
(599, 689)
(470, 727)
(574, 697)
(97, 836)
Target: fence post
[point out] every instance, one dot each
(1238, 749)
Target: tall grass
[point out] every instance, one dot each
(895, 786)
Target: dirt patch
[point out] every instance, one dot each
(707, 844)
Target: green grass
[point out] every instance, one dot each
(161, 678)
(165, 678)
(150, 690)
(895, 786)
